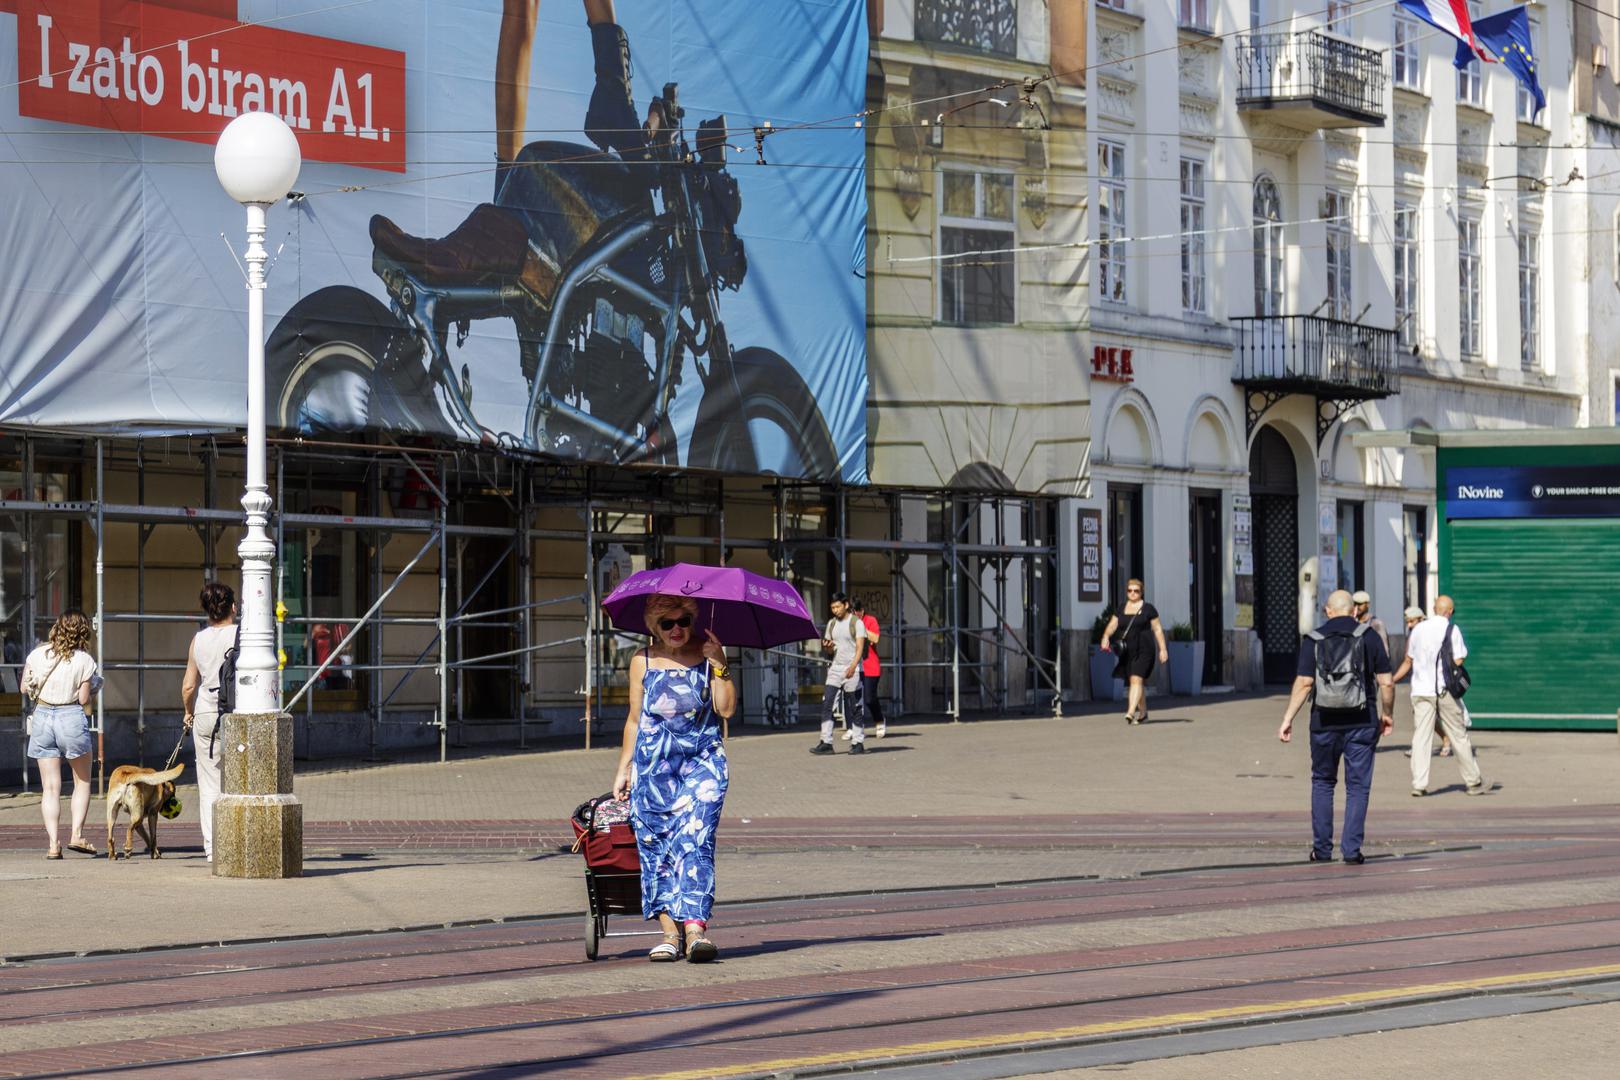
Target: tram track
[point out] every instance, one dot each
(809, 1001)
(968, 905)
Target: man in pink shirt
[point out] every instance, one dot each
(871, 668)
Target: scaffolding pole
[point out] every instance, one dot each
(444, 603)
(101, 604)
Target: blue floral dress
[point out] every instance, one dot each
(678, 781)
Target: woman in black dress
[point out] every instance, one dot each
(1135, 618)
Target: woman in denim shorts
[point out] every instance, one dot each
(60, 676)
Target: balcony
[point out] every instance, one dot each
(1340, 364)
(1309, 81)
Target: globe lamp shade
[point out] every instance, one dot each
(256, 158)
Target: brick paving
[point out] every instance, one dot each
(1168, 847)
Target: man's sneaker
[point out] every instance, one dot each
(882, 730)
(845, 736)
(1478, 789)
(1355, 860)
(1418, 793)
(857, 748)
(822, 748)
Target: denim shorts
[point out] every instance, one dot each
(58, 731)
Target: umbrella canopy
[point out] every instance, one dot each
(743, 609)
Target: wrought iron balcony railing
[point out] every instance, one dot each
(1311, 80)
(986, 25)
(1310, 355)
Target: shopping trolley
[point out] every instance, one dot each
(602, 834)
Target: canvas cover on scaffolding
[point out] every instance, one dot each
(637, 241)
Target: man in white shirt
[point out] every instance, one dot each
(843, 637)
(1430, 700)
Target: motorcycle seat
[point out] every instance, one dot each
(489, 243)
(490, 246)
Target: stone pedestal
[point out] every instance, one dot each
(258, 822)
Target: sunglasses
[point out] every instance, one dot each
(669, 624)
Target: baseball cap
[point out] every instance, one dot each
(1414, 613)
(1361, 597)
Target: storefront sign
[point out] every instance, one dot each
(1111, 363)
(1091, 548)
(1533, 492)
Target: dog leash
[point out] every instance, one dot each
(175, 753)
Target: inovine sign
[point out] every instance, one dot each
(183, 74)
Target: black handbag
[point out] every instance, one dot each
(1453, 676)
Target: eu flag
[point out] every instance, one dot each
(1506, 38)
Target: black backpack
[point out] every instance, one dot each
(1341, 670)
(1453, 676)
(227, 674)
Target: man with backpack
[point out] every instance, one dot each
(1344, 671)
(1434, 654)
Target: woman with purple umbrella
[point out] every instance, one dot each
(672, 768)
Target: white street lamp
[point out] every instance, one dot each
(257, 162)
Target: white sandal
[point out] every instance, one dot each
(667, 951)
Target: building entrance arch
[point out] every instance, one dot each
(1274, 490)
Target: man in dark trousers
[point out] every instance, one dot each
(1344, 670)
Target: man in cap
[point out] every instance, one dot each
(1362, 609)
(1431, 702)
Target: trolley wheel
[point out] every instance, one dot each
(593, 932)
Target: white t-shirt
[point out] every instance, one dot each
(1423, 649)
(846, 634)
(61, 687)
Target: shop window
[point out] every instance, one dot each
(38, 570)
(1351, 545)
(1125, 540)
(1415, 529)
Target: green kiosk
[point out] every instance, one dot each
(1529, 547)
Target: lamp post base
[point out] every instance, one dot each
(258, 822)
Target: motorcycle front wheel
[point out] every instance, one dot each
(338, 363)
(774, 427)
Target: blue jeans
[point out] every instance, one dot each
(1355, 746)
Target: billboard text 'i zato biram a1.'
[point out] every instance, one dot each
(550, 227)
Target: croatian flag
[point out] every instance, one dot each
(1450, 16)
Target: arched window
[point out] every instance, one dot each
(1268, 248)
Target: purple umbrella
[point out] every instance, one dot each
(742, 609)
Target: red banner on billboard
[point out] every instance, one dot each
(153, 69)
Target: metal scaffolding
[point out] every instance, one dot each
(509, 626)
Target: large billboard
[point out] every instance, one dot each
(626, 232)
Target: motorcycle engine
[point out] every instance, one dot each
(611, 371)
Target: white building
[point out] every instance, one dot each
(1310, 226)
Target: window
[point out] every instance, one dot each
(1530, 295)
(976, 215)
(1471, 79)
(1524, 101)
(1117, 5)
(1338, 16)
(1111, 221)
(1340, 276)
(1195, 13)
(1406, 272)
(1268, 249)
(1257, 14)
(1352, 527)
(1468, 287)
(1192, 237)
(1405, 56)
(986, 25)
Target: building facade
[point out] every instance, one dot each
(1309, 225)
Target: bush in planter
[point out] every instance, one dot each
(1186, 661)
(1104, 687)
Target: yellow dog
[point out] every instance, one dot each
(142, 792)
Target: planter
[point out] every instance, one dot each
(1104, 687)
(1187, 668)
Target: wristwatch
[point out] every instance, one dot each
(721, 671)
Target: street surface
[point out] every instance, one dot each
(1005, 898)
